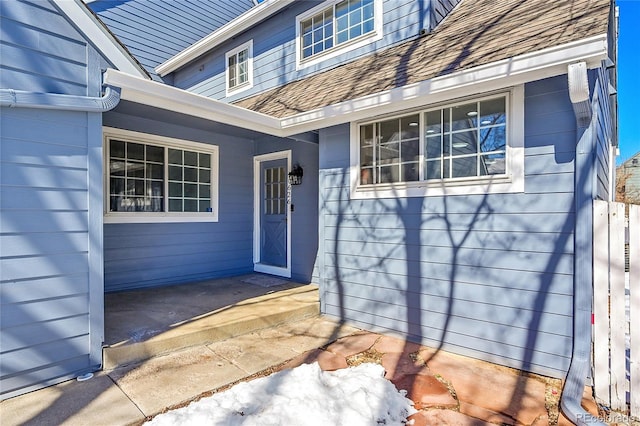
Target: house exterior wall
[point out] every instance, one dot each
(604, 137)
(488, 276)
(274, 47)
(139, 255)
(630, 172)
(51, 318)
(52, 61)
(155, 31)
(145, 255)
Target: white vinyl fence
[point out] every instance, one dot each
(616, 307)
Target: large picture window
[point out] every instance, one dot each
(150, 177)
(336, 24)
(461, 141)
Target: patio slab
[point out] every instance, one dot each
(448, 389)
(143, 324)
(93, 402)
(171, 379)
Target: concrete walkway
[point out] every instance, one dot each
(447, 389)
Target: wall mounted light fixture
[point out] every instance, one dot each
(295, 175)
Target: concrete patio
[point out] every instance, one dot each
(142, 324)
(171, 346)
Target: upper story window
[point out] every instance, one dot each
(337, 26)
(473, 143)
(155, 179)
(240, 68)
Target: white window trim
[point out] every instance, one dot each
(356, 43)
(160, 217)
(249, 83)
(511, 182)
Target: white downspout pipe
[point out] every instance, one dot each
(20, 98)
(583, 289)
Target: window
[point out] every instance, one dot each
(337, 24)
(467, 140)
(240, 68)
(465, 144)
(152, 178)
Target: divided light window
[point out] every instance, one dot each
(155, 178)
(341, 22)
(239, 68)
(461, 141)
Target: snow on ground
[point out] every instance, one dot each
(305, 395)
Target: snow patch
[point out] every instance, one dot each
(305, 395)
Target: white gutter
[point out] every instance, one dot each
(100, 37)
(20, 98)
(495, 76)
(160, 95)
(242, 23)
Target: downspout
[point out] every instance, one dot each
(19, 98)
(583, 276)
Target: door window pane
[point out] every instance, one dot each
(275, 191)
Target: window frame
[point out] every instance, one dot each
(511, 181)
(248, 46)
(351, 44)
(166, 143)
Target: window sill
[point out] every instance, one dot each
(356, 43)
(238, 89)
(458, 186)
(159, 217)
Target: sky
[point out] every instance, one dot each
(305, 395)
(628, 69)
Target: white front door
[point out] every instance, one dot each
(272, 230)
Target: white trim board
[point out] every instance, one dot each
(257, 266)
(498, 75)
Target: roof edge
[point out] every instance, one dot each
(228, 30)
(490, 77)
(160, 95)
(498, 75)
(98, 35)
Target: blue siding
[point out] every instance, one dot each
(146, 255)
(275, 52)
(440, 9)
(140, 255)
(52, 60)
(50, 218)
(603, 134)
(154, 31)
(489, 276)
(45, 249)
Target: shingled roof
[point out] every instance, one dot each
(477, 32)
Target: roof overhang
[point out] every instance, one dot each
(100, 37)
(484, 78)
(160, 95)
(494, 76)
(234, 27)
